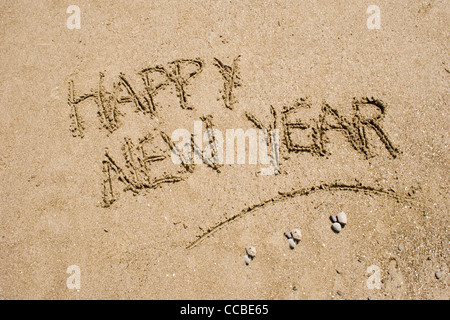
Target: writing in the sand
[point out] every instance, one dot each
(145, 163)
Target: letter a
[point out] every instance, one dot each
(374, 21)
(74, 21)
(374, 281)
(74, 281)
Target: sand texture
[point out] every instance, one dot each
(87, 177)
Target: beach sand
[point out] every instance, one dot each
(87, 178)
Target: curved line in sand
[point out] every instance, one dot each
(282, 196)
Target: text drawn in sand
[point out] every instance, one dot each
(147, 162)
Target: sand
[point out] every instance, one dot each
(87, 179)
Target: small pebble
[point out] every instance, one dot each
(369, 298)
(336, 227)
(247, 260)
(295, 288)
(340, 293)
(342, 218)
(251, 252)
(291, 243)
(296, 235)
(288, 235)
(333, 218)
(438, 275)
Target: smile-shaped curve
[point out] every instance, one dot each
(282, 196)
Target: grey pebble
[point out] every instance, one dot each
(438, 275)
(291, 243)
(247, 260)
(333, 218)
(336, 227)
(340, 293)
(288, 235)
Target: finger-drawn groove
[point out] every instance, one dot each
(282, 196)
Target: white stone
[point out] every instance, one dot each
(251, 252)
(342, 218)
(291, 243)
(296, 235)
